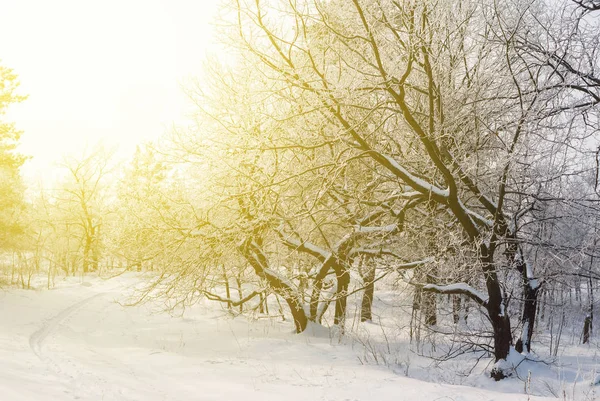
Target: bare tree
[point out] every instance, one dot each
(468, 108)
(82, 198)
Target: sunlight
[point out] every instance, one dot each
(300, 200)
(107, 71)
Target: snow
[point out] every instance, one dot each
(512, 362)
(315, 249)
(463, 287)
(327, 297)
(309, 246)
(533, 282)
(416, 263)
(370, 251)
(77, 342)
(479, 218)
(573, 374)
(390, 228)
(416, 182)
(279, 277)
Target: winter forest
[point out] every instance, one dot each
(368, 199)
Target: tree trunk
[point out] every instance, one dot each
(587, 329)
(430, 303)
(531, 289)
(94, 248)
(414, 316)
(497, 314)
(227, 290)
(456, 301)
(368, 276)
(86, 256)
(256, 258)
(264, 306)
(315, 295)
(528, 318)
(341, 295)
(238, 281)
(589, 319)
(502, 339)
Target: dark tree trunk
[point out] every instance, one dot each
(430, 303)
(261, 305)
(589, 319)
(531, 290)
(497, 314)
(315, 296)
(429, 308)
(414, 316)
(423, 301)
(368, 276)
(528, 318)
(258, 261)
(587, 329)
(456, 301)
(341, 295)
(502, 339)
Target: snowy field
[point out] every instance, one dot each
(76, 342)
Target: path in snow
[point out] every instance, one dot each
(82, 381)
(36, 340)
(93, 349)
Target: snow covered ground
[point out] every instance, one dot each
(76, 342)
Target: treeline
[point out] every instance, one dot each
(452, 143)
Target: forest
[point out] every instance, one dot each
(348, 163)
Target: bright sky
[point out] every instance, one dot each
(107, 70)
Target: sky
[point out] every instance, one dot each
(107, 71)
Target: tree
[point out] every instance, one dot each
(442, 100)
(140, 202)
(83, 201)
(417, 135)
(11, 187)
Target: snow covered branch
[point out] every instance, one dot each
(412, 265)
(458, 288)
(304, 246)
(215, 297)
(388, 229)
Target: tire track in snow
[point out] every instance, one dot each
(37, 339)
(82, 382)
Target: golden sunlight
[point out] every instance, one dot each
(299, 200)
(104, 71)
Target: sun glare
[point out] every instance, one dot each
(299, 200)
(108, 71)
